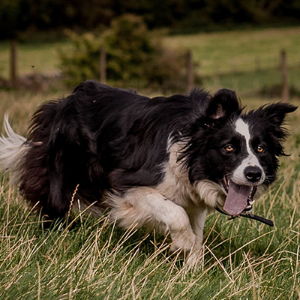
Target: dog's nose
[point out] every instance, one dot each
(253, 174)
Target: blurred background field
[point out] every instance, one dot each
(154, 47)
(245, 60)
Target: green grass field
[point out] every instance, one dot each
(244, 60)
(93, 259)
(33, 57)
(240, 51)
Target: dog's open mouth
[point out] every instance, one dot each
(239, 201)
(239, 197)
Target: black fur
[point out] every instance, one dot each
(105, 138)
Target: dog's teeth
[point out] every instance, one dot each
(248, 208)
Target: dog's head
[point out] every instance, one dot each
(237, 150)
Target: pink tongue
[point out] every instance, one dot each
(236, 200)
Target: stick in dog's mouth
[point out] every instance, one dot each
(239, 201)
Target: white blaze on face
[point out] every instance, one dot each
(250, 160)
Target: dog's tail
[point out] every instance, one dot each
(13, 148)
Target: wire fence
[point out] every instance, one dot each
(278, 74)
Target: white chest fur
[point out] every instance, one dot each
(176, 185)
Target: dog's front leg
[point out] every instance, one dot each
(197, 216)
(210, 193)
(145, 205)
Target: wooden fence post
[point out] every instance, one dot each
(189, 70)
(102, 65)
(285, 93)
(13, 63)
(257, 64)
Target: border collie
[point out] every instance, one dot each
(163, 162)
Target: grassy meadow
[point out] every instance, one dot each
(245, 60)
(93, 259)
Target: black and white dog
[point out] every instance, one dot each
(163, 161)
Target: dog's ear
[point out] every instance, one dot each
(223, 104)
(275, 113)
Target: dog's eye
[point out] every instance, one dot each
(229, 148)
(260, 149)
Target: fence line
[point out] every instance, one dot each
(284, 76)
(189, 69)
(102, 65)
(13, 63)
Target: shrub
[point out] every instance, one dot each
(82, 61)
(134, 56)
(129, 48)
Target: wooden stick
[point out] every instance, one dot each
(249, 216)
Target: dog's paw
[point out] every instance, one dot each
(183, 241)
(195, 257)
(190, 247)
(220, 200)
(211, 193)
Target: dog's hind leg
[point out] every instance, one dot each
(145, 206)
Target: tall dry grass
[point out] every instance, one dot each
(92, 258)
